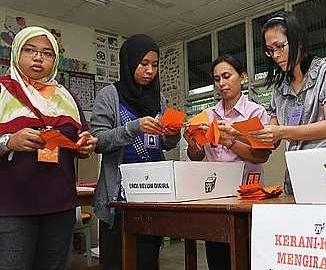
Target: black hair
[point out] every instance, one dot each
(298, 45)
(231, 60)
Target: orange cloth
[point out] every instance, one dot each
(45, 90)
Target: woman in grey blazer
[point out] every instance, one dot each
(124, 117)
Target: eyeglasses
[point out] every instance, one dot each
(279, 48)
(47, 55)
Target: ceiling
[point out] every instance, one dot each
(164, 20)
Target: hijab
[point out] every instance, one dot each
(19, 41)
(141, 100)
(61, 105)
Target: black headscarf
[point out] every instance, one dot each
(141, 100)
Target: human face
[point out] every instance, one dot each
(276, 42)
(36, 58)
(228, 81)
(147, 69)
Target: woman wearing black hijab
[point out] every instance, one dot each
(125, 121)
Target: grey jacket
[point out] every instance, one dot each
(112, 137)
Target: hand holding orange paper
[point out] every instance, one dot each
(173, 118)
(211, 135)
(253, 124)
(53, 138)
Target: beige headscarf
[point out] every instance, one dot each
(61, 103)
(21, 38)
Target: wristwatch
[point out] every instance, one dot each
(4, 139)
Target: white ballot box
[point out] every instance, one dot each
(174, 181)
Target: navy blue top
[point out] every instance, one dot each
(136, 152)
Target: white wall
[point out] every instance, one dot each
(78, 41)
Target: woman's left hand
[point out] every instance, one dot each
(227, 127)
(269, 134)
(87, 144)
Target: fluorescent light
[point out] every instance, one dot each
(98, 2)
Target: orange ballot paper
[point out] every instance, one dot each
(253, 124)
(198, 133)
(53, 138)
(212, 135)
(201, 118)
(173, 118)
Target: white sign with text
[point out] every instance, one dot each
(288, 237)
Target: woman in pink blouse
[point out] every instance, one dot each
(228, 76)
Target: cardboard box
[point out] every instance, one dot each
(174, 181)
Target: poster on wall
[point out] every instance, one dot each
(83, 86)
(113, 75)
(171, 75)
(101, 57)
(113, 51)
(101, 74)
(288, 237)
(113, 42)
(101, 49)
(12, 26)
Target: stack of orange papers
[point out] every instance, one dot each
(173, 118)
(253, 124)
(259, 192)
(212, 135)
(53, 138)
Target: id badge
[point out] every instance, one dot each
(152, 141)
(295, 115)
(47, 155)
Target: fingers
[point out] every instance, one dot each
(26, 139)
(151, 125)
(265, 135)
(171, 131)
(86, 143)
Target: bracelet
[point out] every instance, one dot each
(232, 143)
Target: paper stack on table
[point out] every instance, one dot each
(258, 191)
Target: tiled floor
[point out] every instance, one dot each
(171, 258)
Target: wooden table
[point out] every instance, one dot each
(222, 220)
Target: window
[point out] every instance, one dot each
(233, 41)
(312, 15)
(199, 60)
(261, 95)
(196, 106)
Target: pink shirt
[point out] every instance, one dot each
(243, 110)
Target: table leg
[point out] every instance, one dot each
(190, 254)
(239, 242)
(129, 248)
